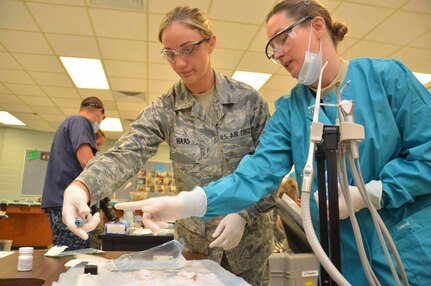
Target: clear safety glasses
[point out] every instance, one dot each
(278, 40)
(185, 52)
(95, 105)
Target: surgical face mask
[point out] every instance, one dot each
(312, 65)
(96, 126)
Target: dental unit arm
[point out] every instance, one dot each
(350, 134)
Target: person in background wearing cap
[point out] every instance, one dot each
(73, 146)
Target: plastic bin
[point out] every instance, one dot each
(293, 269)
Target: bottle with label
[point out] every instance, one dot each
(25, 259)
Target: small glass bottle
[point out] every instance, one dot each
(25, 259)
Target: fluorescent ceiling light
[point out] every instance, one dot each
(86, 73)
(424, 78)
(255, 79)
(111, 124)
(9, 119)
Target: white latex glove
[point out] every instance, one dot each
(75, 206)
(158, 211)
(229, 231)
(374, 190)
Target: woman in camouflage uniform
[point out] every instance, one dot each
(210, 121)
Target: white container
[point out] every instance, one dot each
(25, 259)
(293, 269)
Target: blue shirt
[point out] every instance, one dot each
(394, 108)
(63, 165)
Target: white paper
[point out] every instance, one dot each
(5, 253)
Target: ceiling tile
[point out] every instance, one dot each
(13, 76)
(383, 3)
(136, 97)
(131, 106)
(162, 72)
(155, 56)
(25, 42)
(161, 7)
(125, 69)
(17, 108)
(9, 99)
(55, 123)
(153, 27)
(160, 86)
(3, 89)
(65, 92)
(52, 79)
(331, 4)
(228, 72)
(8, 62)
(401, 28)
(40, 125)
(123, 49)
(259, 42)
(254, 61)
(280, 83)
(14, 15)
(28, 117)
(353, 15)
(40, 109)
(371, 50)
(119, 24)
(256, 12)
(39, 62)
(127, 84)
(74, 46)
(67, 102)
(234, 36)
(424, 41)
(65, 2)
(103, 95)
(37, 100)
(420, 6)
(418, 60)
(52, 19)
(21, 89)
(68, 111)
(346, 44)
(225, 58)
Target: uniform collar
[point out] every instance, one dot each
(223, 92)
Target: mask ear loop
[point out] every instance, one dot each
(309, 38)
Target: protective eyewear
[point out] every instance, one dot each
(95, 105)
(185, 52)
(280, 39)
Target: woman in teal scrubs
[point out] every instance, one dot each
(395, 156)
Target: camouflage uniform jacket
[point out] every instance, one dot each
(203, 148)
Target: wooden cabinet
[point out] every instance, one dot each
(26, 225)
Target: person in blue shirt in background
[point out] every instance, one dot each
(395, 156)
(74, 144)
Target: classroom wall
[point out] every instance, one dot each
(13, 144)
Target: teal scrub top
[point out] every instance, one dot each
(394, 108)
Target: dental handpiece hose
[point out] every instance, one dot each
(316, 131)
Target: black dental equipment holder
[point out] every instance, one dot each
(327, 151)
